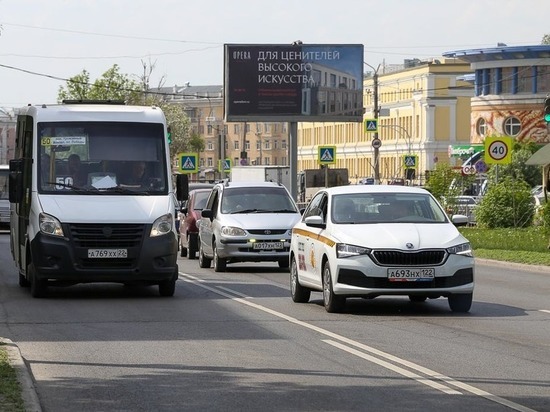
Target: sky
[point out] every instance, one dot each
(45, 42)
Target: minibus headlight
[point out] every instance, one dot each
(49, 225)
(162, 225)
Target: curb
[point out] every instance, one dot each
(28, 390)
(523, 266)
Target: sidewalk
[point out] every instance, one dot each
(28, 390)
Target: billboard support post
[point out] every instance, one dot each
(293, 157)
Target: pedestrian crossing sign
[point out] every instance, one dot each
(327, 155)
(224, 165)
(371, 125)
(188, 162)
(410, 161)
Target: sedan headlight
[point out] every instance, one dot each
(464, 249)
(50, 225)
(162, 225)
(232, 231)
(343, 250)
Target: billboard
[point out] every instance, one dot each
(302, 83)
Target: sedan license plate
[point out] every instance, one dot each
(107, 253)
(410, 274)
(268, 245)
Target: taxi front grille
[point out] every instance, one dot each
(91, 235)
(399, 258)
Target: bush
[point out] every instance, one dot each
(507, 204)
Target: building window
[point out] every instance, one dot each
(236, 128)
(543, 79)
(507, 76)
(283, 144)
(481, 127)
(210, 146)
(512, 126)
(247, 145)
(210, 130)
(235, 145)
(210, 162)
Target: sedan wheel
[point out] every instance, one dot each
(220, 264)
(333, 303)
(192, 248)
(204, 262)
(298, 292)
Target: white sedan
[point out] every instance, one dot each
(372, 240)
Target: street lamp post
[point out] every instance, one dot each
(376, 113)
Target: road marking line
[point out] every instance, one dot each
(335, 336)
(544, 310)
(394, 368)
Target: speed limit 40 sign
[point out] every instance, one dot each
(498, 150)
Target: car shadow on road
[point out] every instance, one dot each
(402, 306)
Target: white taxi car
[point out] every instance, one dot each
(372, 240)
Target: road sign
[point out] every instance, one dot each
(468, 170)
(327, 155)
(498, 150)
(410, 161)
(224, 165)
(371, 125)
(188, 162)
(376, 143)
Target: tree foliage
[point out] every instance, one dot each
(545, 39)
(440, 183)
(517, 169)
(112, 85)
(507, 204)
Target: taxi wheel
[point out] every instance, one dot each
(298, 292)
(333, 303)
(220, 264)
(461, 303)
(204, 262)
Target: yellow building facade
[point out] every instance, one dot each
(422, 111)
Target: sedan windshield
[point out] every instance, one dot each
(257, 200)
(386, 208)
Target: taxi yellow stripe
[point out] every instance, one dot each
(315, 236)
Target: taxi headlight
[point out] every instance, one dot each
(464, 249)
(162, 225)
(232, 231)
(343, 250)
(49, 225)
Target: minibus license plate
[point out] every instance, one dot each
(410, 274)
(107, 253)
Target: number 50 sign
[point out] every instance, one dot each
(498, 150)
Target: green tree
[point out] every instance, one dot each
(507, 204)
(112, 85)
(545, 39)
(517, 169)
(443, 182)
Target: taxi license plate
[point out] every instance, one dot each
(268, 245)
(410, 274)
(107, 253)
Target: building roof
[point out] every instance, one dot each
(187, 91)
(501, 53)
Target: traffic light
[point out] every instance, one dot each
(169, 135)
(547, 109)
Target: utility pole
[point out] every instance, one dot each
(376, 111)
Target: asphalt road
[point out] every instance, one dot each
(236, 341)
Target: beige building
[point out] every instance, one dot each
(423, 110)
(264, 143)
